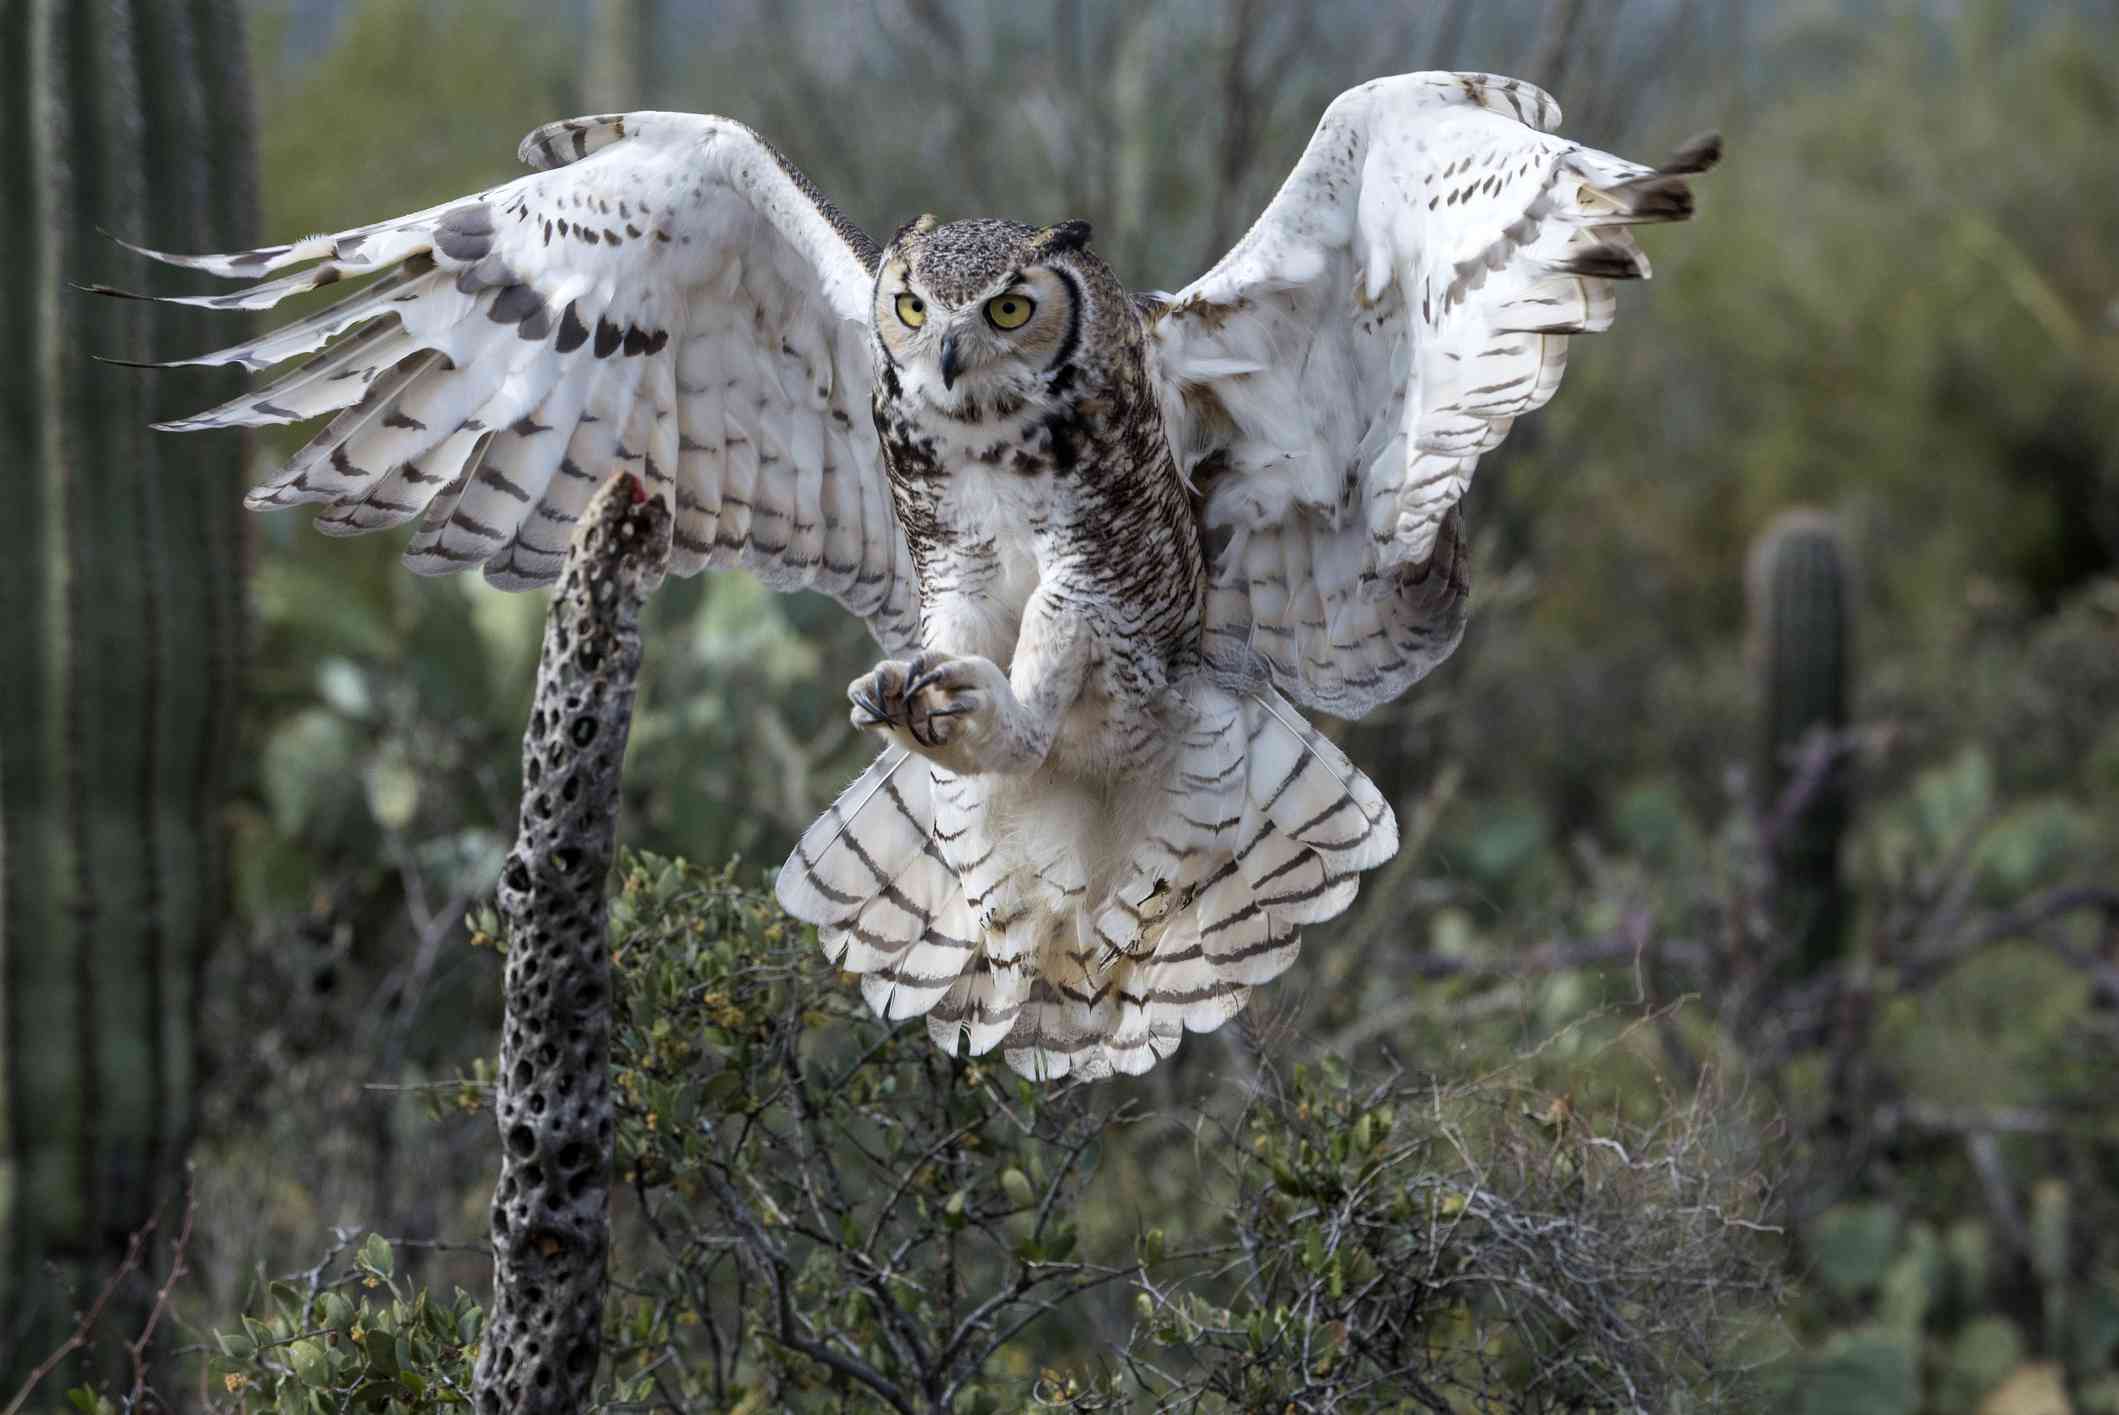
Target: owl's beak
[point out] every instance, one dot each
(950, 366)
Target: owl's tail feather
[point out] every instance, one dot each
(871, 876)
(1265, 826)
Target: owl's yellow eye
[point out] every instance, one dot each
(913, 310)
(1010, 311)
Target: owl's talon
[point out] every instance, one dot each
(918, 703)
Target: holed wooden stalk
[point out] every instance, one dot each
(551, 1227)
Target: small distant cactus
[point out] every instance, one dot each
(1801, 606)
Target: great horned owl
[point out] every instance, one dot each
(1109, 543)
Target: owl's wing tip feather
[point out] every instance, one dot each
(1701, 152)
(554, 145)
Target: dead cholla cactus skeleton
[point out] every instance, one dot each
(550, 1221)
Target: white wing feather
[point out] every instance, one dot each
(667, 297)
(1332, 382)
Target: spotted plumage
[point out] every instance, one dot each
(1109, 542)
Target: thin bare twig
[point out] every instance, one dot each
(137, 1347)
(87, 1325)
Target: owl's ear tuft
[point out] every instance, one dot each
(919, 226)
(1066, 236)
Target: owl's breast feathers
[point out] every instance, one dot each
(1076, 487)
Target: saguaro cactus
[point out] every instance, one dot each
(121, 624)
(1802, 647)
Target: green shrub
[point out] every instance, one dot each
(815, 1210)
(352, 1336)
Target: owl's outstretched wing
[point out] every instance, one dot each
(667, 296)
(1331, 384)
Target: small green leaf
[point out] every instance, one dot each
(1016, 1185)
(291, 1301)
(311, 1366)
(376, 1256)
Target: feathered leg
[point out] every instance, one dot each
(964, 713)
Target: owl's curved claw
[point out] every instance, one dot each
(866, 701)
(928, 671)
(872, 698)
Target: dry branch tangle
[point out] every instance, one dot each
(550, 1225)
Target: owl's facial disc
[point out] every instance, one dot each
(967, 321)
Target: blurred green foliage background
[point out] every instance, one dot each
(1899, 304)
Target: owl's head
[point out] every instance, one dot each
(981, 310)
